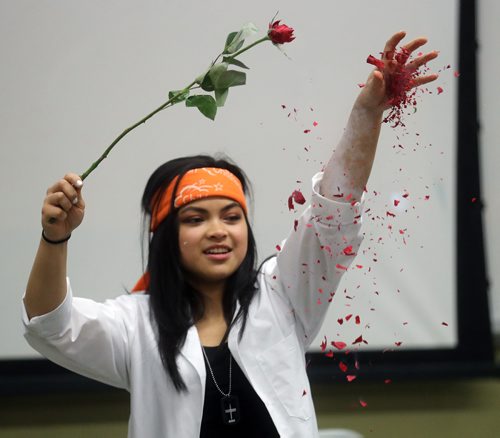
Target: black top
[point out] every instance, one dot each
(254, 419)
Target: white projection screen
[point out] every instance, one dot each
(76, 74)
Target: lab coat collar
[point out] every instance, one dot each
(192, 349)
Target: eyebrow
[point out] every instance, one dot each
(203, 210)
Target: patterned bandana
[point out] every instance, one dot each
(197, 184)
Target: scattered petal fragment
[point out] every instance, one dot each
(339, 345)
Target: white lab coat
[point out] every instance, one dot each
(114, 342)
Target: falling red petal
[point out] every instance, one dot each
(339, 345)
(315, 123)
(298, 197)
(358, 340)
(350, 377)
(348, 317)
(329, 354)
(339, 266)
(439, 90)
(357, 320)
(343, 367)
(348, 251)
(363, 403)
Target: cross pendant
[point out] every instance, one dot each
(230, 409)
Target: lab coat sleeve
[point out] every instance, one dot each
(318, 251)
(86, 337)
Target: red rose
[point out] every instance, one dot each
(280, 33)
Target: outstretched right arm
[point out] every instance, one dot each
(62, 212)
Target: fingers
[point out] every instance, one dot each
(70, 185)
(421, 60)
(54, 211)
(421, 80)
(61, 198)
(415, 44)
(391, 44)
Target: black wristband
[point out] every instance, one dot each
(54, 242)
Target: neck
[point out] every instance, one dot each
(212, 295)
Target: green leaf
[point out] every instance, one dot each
(206, 83)
(235, 62)
(182, 96)
(215, 72)
(221, 96)
(229, 39)
(206, 104)
(238, 39)
(230, 78)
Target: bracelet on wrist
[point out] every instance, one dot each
(54, 242)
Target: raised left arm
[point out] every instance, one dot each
(350, 165)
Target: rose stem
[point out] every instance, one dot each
(130, 128)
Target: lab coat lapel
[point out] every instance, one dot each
(191, 350)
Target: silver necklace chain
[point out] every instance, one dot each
(213, 377)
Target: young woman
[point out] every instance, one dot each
(211, 347)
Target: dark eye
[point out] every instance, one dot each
(233, 217)
(192, 220)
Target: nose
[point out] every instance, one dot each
(217, 230)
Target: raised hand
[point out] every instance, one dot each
(395, 73)
(63, 207)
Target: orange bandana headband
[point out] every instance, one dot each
(203, 182)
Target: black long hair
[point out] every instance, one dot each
(175, 305)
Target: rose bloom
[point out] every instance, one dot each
(280, 33)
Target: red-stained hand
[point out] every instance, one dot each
(375, 95)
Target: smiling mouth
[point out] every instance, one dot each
(217, 251)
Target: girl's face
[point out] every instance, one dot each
(213, 239)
